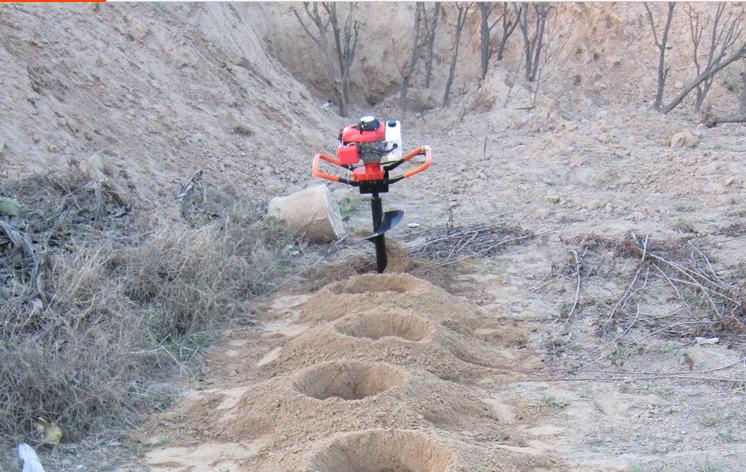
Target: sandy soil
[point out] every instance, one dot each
(476, 367)
(332, 382)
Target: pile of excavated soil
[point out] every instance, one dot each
(375, 373)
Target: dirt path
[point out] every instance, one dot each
(378, 372)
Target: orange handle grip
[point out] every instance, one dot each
(323, 175)
(416, 152)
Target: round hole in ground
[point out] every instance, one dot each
(348, 380)
(384, 451)
(380, 325)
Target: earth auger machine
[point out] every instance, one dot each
(369, 150)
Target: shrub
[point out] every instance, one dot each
(119, 314)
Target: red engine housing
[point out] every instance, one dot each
(371, 171)
(347, 152)
(348, 155)
(351, 134)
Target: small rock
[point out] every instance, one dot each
(413, 225)
(552, 199)
(703, 340)
(714, 188)
(684, 138)
(577, 160)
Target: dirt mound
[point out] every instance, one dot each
(384, 451)
(394, 318)
(402, 291)
(377, 326)
(375, 373)
(348, 380)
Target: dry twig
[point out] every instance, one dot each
(577, 286)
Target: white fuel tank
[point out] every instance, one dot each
(393, 139)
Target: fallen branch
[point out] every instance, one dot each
(709, 265)
(633, 379)
(23, 241)
(695, 278)
(577, 285)
(644, 373)
(486, 250)
(670, 282)
(624, 297)
(713, 121)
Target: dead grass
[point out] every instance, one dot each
(638, 289)
(119, 312)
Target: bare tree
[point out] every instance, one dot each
(532, 28)
(509, 23)
(486, 51)
(430, 22)
(661, 45)
(553, 43)
(344, 36)
(320, 37)
(407, 71)
(463, 12)
(485, 32)
(723, 34)
(345, 40)
(740, 54)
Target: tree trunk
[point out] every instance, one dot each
(523, 20)
(541, 19)
(707, 74)
(344, 96)
(404, 95)
(508, 29)
(414, 58)
(661, 45)
(742, 105)
(463, 10)
(702, 92)
(432, 27)
(532, 44)
(484, 38)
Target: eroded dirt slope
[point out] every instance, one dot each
(146, 94)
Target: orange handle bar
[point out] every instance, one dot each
(323, 175)
(416, 152)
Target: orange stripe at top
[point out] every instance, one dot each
(52, 1)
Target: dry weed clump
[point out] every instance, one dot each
(196, 276)
(78, 360)
(117, 312)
